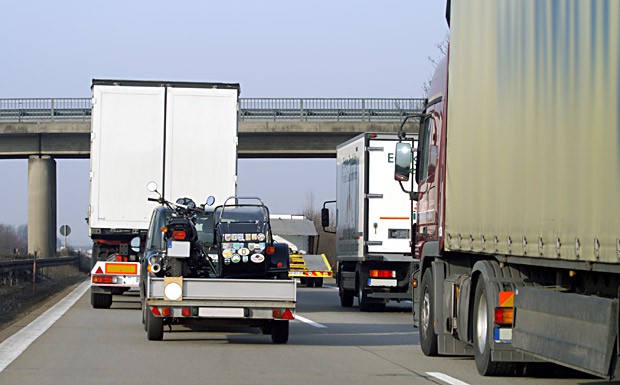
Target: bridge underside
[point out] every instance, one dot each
(256, 139)
(43, 142)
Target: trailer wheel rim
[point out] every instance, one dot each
(426, 309)
(482, 322)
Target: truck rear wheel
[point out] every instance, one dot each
(346, 297)
(362, 299)
(279, 332)
(154, 327)
(309, 282)
(100, 300)
(318, 282)
(483, 334)
(428, 337)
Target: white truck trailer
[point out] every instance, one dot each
(167, 132)
(373, 224)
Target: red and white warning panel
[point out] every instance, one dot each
(126, 274)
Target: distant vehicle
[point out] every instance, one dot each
(373, 224)
(518, 169)
(142, 131)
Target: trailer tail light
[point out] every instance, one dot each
(504, 315)
(382, 273)
(179, 235)
(270, 250)
(104, 279)
(155, 311)
(283, 314)
(165, 312)
(120, 258)
(186, 311)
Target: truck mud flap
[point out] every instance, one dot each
(573, 330)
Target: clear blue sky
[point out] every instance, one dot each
(272, 48)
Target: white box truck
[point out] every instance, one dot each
(171, 133)
(373, 224)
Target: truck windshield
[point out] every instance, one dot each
(241, 214)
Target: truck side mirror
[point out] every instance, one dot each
(325, 217)
(402, 162)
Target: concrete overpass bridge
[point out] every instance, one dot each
(43, 129)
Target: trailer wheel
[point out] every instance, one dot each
(154, 327)
(428, 336)
(318, 282)
(309, 282)
(346, 297)
(279, 332)
(482, 329)
(100, 300)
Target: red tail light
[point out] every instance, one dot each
(179, 235)
(279, 264)
(504, 315)
(103, 279)
(283, 314)
(155, 311)
(186, 311)
(120, 258)
(383, 273)
(270, 250)
(165, 311)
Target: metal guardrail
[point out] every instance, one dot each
(251, 109)
(29, 264)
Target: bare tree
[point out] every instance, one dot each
(442, 46)
(327, 241)
(13, 240)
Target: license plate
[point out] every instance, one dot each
(382, 282)
(221, 312)
(178, 249)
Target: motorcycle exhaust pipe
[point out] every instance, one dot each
(155, 268)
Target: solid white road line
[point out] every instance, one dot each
(15, 345)
(446, 378)
(309, 322)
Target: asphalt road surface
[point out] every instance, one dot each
(328, 344)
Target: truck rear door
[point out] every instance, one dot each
(389, 213)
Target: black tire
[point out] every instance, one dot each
(428, 336)
(279, 332)
(100, 300)
(483, 332)
(362, 299)
(318, 282)
(309, 282)
(346, 297)
(379, 306)
(154, 327)
(265, 328)
(176, 268)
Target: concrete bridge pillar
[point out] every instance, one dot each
(42, 206)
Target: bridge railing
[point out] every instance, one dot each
(251, 109)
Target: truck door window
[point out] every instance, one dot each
(426, 128)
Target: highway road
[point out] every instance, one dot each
(328, 345)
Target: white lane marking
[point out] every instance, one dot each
(446, 378)
(309, 322)
(15, 345)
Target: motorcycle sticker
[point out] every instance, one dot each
(245, 259)
(258, 258)
(261, 237)
(227, 253)
(251, 246)
(227, 237)
(248, 237)
(244, 251)
(262, 245)
(255, 237)
(236, 258)
(227, 261)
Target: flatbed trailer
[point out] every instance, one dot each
(310, 269)
(265, 303)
